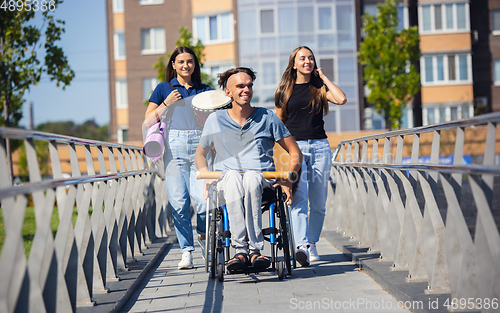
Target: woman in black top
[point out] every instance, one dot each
(301, 102)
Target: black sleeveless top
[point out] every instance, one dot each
(302, 123)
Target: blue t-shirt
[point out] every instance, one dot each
(181, 113)
(243, 148)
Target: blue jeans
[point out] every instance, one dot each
(243, 199)
(312, 191)
(182, 185)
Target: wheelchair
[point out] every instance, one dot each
(279, 233)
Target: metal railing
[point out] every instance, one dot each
(439, 222)
(119, 210)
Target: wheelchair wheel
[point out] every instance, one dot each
(285, 234)
(213, 242)
(220, 272)
(281, 270)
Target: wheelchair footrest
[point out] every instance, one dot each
(269, 230)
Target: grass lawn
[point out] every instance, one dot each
(29, 227)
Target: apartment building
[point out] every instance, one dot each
(454, 64)
(493, 37)
(139, 31)
(460, 45)
(269, 30)
(446, 62)
(213, 22)
(257, 34)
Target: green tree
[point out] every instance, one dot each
(186, 39)
(87, 130)
(21, 43)
(389, 57)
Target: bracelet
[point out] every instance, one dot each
(293, 176)
(163, 102)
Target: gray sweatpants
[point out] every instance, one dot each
(243, 197)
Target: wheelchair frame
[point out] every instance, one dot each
(279, 234)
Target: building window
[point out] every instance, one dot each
(150, 2)
(247, 24)
(148, 85)
(371, 8)
(496, 74)
(403, 18)
(446, 69)
(286, 20)
(214, 29)
(267, 21)
(122, 135)
(345, 26)
(325, 18)
(305, 19)
(213, 69)
(328, 67)
(121, 94)
(495, 21)
(118, 6)
(443, 114)
(119, 45)
(439, 18)
(269, 73)
(153, 41)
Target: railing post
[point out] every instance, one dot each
(61, 273)
(409, 203)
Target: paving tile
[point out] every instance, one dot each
(331, 281)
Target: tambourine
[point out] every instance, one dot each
(207, 102)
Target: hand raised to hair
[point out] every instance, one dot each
(319, 72)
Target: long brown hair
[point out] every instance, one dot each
(283, 93)
(170, 73)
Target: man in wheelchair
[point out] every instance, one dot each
(243, 138)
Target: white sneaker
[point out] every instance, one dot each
(313, 253)
(186, 261)
(302, 255)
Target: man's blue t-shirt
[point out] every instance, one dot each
(243, 148)
(181, 113)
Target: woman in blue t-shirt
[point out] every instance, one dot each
(301, 101)
(172, 97)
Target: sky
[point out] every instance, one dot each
(85, 44)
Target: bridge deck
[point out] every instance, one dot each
(334, 284)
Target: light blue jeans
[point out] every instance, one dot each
(243, 199)
(312, 191)
(182, 185)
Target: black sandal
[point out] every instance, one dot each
(259, 261)
(237, 263)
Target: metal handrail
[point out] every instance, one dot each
(28, 188)
(96, 247)
(18, 133)
(474, 121)
(449, 169)
(436, 221)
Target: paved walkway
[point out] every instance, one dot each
(334, 284)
